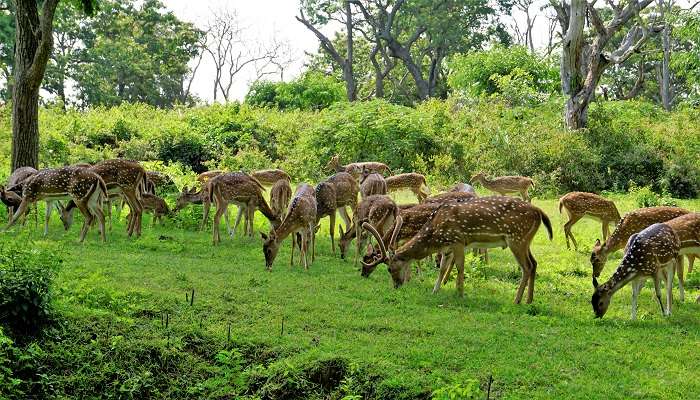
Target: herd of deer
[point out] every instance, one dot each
(654, 239)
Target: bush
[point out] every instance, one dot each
(312, 91)
(681, 180)
(26, 275)
(645, 197)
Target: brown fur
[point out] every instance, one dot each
(412, 181)
(504, 185)
(581, 204)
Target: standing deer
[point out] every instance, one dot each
(355, 169)
(378, 210)
(630, 224)
(280, 195)
(581, 204)
(336, 193)
(482, 222)
(412, 181)
(156, 205)
(653, 252)
(242, 190)
(687, 227)
(504, 185)
(84, 187)
(300, 219)
(372, 183)
(268, 177)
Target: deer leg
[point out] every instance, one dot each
(458, 253)
(220, 207)
(331, 226)
(344, 215)
(305, 249)
(47, 216)
(681, 278)
(573, 219)
(636, 288)
(450, 264)
(670, 270)
(606, 230)
(238, 220)
(533, 272)
(357, 242)
(23, 207)
(657, 290)
(691, 261)
(206, 204)
(87, 219)
(294, 244)
(521, 255)
(525, 195)
(136, 212)
(95, 206)
(251, 218)
(445, 264)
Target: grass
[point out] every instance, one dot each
(329, 333)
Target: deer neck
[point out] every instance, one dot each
(265, 209)
(622, 276)
(417, 248)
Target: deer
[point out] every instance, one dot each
(450, 196)
(464, 187)
(412, 181)
(355, 169)
(504, 185)
(300, 219)
(580, 205)
(268, 177)
(371, 183)
(242, 190)
(378, 210)
(630, 224)
(653, 252)
(494, 221)
(156, 205)
(335, 194)
(280, 196)
(124, 177)
(84, 187)
(11, 193)
(687, 227)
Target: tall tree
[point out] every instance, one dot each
(586, 55)
(33, 45)
(321, 12)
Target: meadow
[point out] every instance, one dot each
(125, 325)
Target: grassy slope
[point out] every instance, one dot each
(552, 349)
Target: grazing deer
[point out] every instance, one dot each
(355, 169)
(11, 200)
(280, 196)
(482, 222)
(300, 219)
(336, 193)
(378, 210)
(630, 224)
(372, 183)
(158, 181)
(581, 204)
(653, 252)
(156, 205)
(687, 227)
(504, 185)
(464, 187)
(242, 190)
(84, 187)
(124, 177)
(412, 181)
(11, 194)
(268, 177)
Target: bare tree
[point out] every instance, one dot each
(188, 78)
(524, 35)
(231, 51)
(665, 89)
(281, 57)
(585, 56)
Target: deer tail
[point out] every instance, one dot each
(547, 224)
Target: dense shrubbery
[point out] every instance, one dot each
(312, 91)
(627, 142)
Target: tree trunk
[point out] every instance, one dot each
(25, 125)
(665, 82)
(348, 76)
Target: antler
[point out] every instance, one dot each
(382, 248)
(397, 227)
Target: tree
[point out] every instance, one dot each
(321, 12)
(585, 56)
(7, 41)
(64, 55)
(33, 44)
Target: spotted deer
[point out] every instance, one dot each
(300, 219)
(580, 205)
(11, 193)
(450, 196)
(412, 181)
(378, 210)
(630, 224)
(464, 187)
(280, 196)
(482, 222)
(268, 177)
(355, 169)
(155, 205)
(653, 252)
(687, 227)
(242, 190)
(505, 185)
(372, 183)
(336, 194)
(84, 187)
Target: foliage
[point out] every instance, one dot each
(26, 275)
(685, 61)
(468, 390)
(311, 91)
(645, 197)
(479, 72)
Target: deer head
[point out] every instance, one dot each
(270, 248)
(186, 197)
(598, 259)
(478, 177)
(397, 268)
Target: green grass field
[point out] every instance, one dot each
(328, 333)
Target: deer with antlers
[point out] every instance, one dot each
(653, 252)
(372, 183)
(412, 181)
(477, 223)
(630, 224)
(335, 194)
(505, 185)
(355, 169)
(300, 219)
(242, 190)
(378, 210)
(580, 205)
(84, 187)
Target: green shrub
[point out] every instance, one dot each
(26, 274)
(187, 149)
(9, 383)
(467, 390)
(681, 180)
(311, 91)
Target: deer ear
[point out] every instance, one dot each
(370, 248)
(597, 242)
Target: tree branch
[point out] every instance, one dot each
(325, 42)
